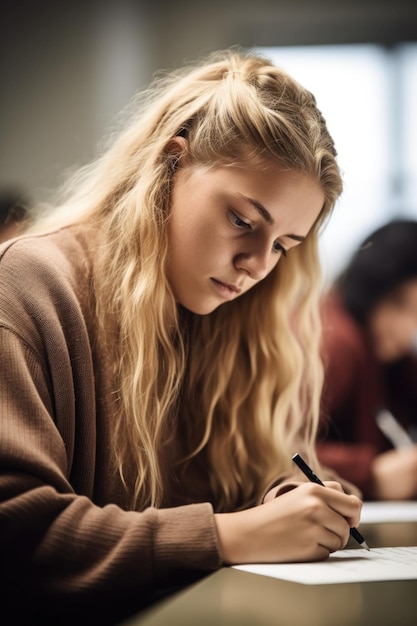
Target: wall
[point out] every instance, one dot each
(67, 68)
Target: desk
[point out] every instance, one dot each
(232, 597)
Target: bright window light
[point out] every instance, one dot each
(409, 100)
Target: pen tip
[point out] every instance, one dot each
(365, 545)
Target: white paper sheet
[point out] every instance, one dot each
(346, 566)
(401, 511)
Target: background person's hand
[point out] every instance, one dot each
(394, 474)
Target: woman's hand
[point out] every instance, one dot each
(394, 474)
(305, 524)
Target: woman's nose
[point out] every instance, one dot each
(255, 262)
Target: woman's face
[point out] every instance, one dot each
(393, 323)
(229, 227)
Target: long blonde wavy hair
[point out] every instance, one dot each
(243, 383)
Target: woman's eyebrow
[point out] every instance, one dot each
(296, 237)
(265, 214)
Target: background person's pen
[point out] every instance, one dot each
(393, 430)
(307, 471)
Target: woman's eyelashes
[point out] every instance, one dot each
(241, 224)
(238, 221)
(277, 247)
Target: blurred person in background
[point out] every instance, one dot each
(13, 215)
(369, 402)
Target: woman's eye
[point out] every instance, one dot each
(277, 247)
(238, 222)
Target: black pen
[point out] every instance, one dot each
(307, 471)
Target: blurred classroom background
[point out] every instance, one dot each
(68, 68)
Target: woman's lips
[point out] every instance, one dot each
(226, 289)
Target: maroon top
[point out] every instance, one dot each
(356, 387)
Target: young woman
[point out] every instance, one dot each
(369, 344)
(154, 382)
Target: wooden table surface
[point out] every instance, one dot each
(231, 597)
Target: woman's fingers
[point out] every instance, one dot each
(304, 524)
(348, 506)
(333, 484)
(333, 512)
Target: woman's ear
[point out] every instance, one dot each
(176, 151)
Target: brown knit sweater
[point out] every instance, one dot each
(69, 547)
(71, 551)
